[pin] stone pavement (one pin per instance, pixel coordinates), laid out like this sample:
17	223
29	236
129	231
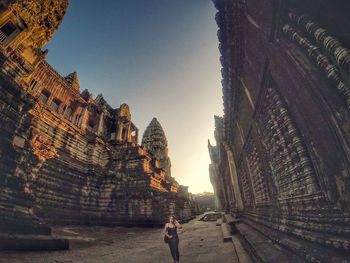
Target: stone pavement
200	242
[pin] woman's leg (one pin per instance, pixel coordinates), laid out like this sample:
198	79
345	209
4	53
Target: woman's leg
177	252
172	246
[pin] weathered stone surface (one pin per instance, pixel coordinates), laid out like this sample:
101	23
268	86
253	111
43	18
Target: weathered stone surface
281	162
16	205
200	242
67	158
155	141
32	243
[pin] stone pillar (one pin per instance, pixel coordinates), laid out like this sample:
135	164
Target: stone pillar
99	130
224	192
137	135
74	115
84	118
229	189
119	131
65	111
128	134
234	180
49	100
60	109
216	186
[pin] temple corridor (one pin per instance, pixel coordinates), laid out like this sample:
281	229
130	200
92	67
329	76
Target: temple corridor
77	178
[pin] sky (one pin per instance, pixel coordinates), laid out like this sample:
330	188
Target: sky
160	57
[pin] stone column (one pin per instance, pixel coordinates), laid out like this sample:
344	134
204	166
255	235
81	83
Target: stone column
229	190
119	131
84	118
49	100
64	112
137	135
224	190
99	130
128	135
234	180
74	115
216	186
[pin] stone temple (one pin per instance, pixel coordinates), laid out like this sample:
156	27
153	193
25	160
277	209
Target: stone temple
66	157
155	141
281	165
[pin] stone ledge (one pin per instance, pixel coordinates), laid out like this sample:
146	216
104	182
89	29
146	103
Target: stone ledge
226	233
231	236
311	251
241	253
263	249
32	243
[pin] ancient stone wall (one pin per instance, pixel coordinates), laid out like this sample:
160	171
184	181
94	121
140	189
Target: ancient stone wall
20	227
66	157
75	180
286	90
14	121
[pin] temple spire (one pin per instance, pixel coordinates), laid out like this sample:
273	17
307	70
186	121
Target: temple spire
155	141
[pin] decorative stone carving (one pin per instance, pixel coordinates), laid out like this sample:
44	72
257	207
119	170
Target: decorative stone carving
42	17
155	141
260	186
73	81
322	60
291	166
323	37
245	186
291	138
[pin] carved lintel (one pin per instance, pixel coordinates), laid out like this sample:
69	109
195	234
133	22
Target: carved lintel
291	166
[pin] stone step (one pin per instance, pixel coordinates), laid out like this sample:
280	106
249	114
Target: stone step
226	233
241	253
301	247
262	249
32	243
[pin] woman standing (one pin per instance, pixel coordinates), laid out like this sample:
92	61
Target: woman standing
170	231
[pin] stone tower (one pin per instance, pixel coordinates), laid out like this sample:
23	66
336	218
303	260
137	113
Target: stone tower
155	141
25	27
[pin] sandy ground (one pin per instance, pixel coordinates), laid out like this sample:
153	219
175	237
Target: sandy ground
200	242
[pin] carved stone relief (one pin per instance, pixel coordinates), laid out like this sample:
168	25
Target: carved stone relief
291	166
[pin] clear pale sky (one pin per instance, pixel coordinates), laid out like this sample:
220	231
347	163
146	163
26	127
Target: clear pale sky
161	58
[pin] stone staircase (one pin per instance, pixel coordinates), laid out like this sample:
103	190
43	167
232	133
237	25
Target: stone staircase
262	249
256	243
229	236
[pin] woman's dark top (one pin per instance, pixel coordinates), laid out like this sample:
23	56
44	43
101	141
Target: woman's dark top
172	231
